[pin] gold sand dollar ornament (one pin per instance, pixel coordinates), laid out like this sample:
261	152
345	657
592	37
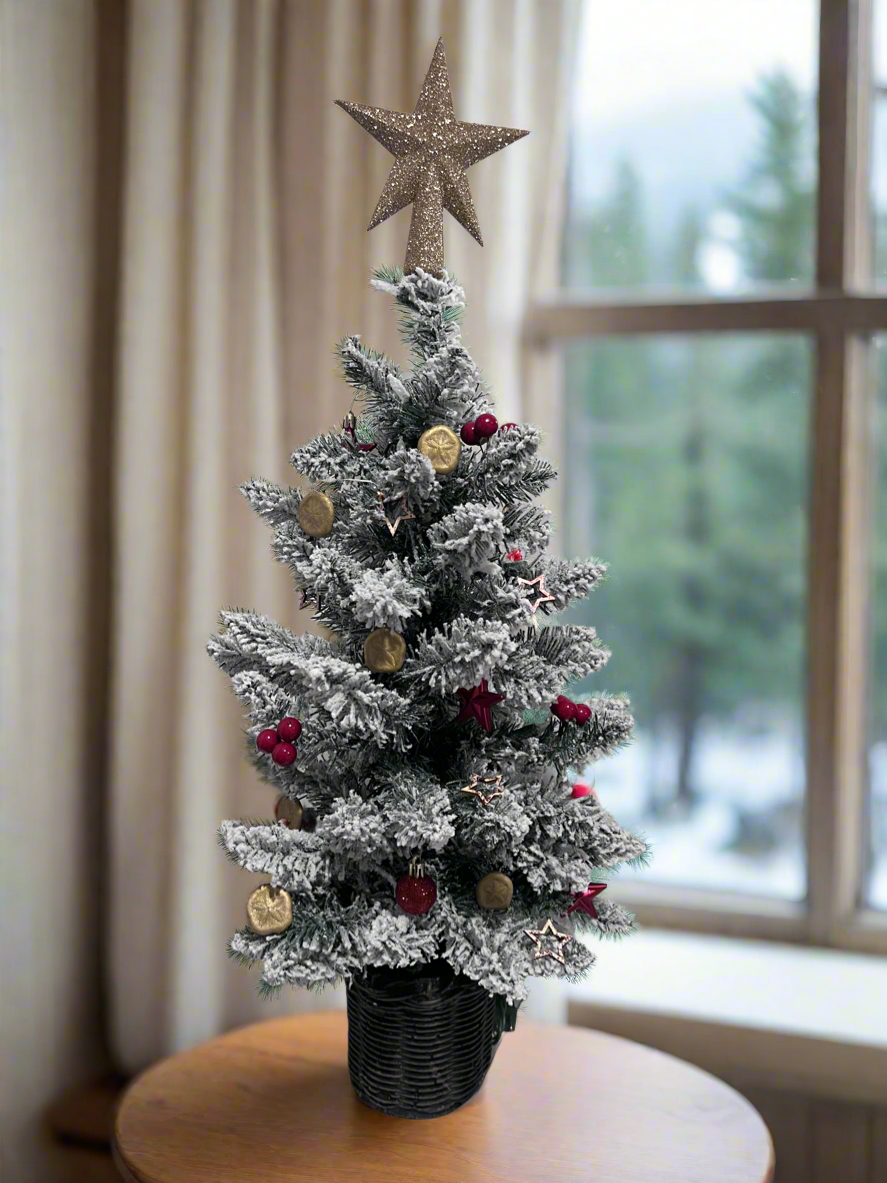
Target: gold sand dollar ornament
316	514
442	447
269	910
384	651
494	892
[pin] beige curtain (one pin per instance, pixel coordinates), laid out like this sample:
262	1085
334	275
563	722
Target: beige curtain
185	214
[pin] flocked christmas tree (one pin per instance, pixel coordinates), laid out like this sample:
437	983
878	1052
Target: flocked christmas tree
424	752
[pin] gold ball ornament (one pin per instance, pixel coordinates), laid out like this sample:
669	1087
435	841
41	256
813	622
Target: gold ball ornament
494	892
289	810
442	447
316	514
269	910
384	651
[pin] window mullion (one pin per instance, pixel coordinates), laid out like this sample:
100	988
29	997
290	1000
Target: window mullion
838	589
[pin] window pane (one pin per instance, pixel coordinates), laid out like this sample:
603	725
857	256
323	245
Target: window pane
879	142
877	880
693	145
686	470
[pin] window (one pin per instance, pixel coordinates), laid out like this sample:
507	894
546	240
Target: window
877	749
722	382
879	143
685	468
693	155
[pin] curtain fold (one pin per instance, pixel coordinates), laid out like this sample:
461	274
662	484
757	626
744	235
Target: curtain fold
243	257
53	562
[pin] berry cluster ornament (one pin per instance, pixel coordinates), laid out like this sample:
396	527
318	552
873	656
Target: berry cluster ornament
570	712
416	892
484	427
280	741
515	556
582	790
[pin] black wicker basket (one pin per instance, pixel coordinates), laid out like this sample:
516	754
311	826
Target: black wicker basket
420	1041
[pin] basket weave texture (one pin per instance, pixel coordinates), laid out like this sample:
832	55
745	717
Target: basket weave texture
419	1041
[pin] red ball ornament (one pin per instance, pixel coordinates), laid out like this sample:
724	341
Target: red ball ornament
284	754
564	710
416	892
583	713
515	556
289	729
267	740
485	426
469	434
580	790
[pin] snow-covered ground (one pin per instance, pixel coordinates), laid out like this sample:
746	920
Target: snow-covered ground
744	833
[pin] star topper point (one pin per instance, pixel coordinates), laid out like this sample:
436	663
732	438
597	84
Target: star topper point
431	150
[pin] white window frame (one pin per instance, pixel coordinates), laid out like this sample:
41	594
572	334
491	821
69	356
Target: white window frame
840	315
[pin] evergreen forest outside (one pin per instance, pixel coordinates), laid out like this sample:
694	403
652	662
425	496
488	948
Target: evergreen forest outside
686	469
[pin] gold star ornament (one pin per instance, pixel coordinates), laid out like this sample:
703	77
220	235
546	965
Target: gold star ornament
484	798
431	150
403	516
543	595
537	935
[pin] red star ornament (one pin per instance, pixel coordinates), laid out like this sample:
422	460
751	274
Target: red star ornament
583	901
476	704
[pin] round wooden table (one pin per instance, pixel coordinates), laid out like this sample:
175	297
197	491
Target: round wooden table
272	1103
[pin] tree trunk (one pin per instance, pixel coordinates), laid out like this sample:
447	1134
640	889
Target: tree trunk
688	710
691	661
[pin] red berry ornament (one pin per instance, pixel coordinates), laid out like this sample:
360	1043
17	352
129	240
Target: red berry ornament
485	426
267	740
416	892
564	710
289	729
580	790
507	426
515	556
284	753
583	713
469	434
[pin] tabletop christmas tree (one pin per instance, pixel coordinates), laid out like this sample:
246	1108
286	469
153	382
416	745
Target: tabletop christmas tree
428	841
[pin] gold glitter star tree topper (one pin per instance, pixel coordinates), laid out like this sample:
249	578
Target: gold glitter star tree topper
431	150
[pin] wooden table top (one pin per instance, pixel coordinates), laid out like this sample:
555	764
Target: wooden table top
272	1103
